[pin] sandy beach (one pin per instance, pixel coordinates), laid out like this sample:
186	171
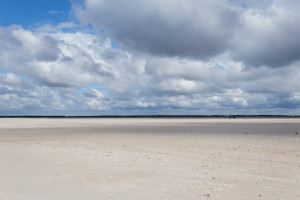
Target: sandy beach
146	158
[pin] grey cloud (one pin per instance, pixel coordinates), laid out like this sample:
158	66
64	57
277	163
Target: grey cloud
269	35
256	33
196	29
5	90
265	79
253	4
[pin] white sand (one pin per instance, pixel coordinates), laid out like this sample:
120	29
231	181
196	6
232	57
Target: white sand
144	159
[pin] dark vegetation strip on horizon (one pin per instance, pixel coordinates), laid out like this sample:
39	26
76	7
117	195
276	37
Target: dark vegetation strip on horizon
154	116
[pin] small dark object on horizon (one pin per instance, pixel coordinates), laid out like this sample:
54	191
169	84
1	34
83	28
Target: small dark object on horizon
231	117
296	133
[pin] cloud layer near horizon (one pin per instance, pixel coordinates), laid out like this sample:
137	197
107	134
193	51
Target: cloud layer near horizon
156	57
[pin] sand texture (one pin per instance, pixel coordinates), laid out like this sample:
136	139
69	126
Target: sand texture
143	159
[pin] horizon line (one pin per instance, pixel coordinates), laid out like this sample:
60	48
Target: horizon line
147	116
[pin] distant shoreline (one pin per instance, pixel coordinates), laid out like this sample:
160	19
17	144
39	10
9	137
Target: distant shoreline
156	116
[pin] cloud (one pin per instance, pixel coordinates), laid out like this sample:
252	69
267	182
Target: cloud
196	29
269	35
52	59
155	57
55	12
256	33
10	79
41	48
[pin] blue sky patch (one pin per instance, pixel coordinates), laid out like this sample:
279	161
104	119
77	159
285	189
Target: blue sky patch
3	72
92	86
220	67
31	12
114	44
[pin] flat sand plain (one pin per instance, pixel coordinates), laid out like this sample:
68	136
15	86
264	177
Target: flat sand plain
141	159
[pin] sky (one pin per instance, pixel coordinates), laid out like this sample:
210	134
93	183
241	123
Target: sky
149	57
